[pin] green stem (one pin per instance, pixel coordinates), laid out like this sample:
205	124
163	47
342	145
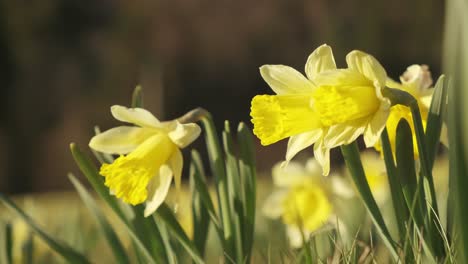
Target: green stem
353	162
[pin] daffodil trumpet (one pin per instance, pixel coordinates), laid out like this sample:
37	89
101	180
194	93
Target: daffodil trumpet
149	156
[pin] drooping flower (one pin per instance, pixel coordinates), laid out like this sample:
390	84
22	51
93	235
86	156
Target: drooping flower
300	200
329	108
149	159
417	81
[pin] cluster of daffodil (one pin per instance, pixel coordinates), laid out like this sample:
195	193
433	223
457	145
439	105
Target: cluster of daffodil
329	107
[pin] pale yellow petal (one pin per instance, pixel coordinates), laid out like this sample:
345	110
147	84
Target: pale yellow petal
319	61
345	133
176	163
137	116
120	140
322	155
392	83
341	77
375	127
285	80
161	183
368	66
300	142
272	207
295	236
184	134
290	174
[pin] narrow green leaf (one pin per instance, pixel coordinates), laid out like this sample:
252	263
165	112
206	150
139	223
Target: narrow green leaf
218	171
235	192
60	247
149	233
401	211
165	214
353	162
6	243
137	97
247	169
200	212
28	250
96	181
112	239
172	256
435	118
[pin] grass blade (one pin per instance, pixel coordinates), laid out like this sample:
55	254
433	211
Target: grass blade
113	240
6	243
61	248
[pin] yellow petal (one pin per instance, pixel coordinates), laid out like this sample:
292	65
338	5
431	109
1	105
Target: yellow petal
345	133
137	116
300	142
120	140
285	80
375	126
368	66
276	117
184	134
342	77
164	179
322	155
176	163
320	60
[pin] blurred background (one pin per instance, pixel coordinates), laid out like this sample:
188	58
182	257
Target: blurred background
64	63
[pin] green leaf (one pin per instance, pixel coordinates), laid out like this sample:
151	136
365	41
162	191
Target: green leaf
200	212
353	162
235	192
60	247
247	169
218	171
28	249
165	214
96	181
435	119
6	243
401	211
113	240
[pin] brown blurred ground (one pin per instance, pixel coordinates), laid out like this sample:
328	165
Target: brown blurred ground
64	63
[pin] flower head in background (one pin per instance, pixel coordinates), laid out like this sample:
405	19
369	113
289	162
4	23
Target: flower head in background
149	156
300	200
330	107
417	81
376	175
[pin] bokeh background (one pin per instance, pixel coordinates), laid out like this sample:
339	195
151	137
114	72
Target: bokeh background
64	63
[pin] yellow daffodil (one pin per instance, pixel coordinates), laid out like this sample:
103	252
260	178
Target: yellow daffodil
300	201
417	81
149	156
330	107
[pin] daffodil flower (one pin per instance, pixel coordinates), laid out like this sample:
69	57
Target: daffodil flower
417	81
149	159
330	107
300	200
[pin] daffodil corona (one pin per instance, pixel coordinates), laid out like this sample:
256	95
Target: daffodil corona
330	107
149	156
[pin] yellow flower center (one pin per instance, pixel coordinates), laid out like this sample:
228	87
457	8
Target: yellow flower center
306	205
276	117
339	104
128	176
